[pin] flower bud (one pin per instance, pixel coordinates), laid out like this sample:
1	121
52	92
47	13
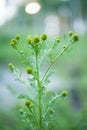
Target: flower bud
70	33
11	67
17	36
75	37
44	37
29	70
14	40
58	38
29	40
12	44
64	93
27	103
21	111
51	111
36	39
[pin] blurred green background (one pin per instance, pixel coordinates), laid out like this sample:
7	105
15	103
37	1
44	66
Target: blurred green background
54	17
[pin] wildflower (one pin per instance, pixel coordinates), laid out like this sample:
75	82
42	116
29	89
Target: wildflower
21	111
27	103
14	40
12	44
29	40
64	93
44	37
36	39
75	37
11	67
58	38
29	70
17	37
70	33
51	111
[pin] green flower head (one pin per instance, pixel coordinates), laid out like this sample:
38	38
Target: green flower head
17	36
70	33
36	39
58	38
75	37
29	70
13	42
29	40
44	36
11	67
21	111
51	111
64	93
27	103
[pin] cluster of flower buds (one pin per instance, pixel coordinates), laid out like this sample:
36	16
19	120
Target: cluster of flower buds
14	41
29	104
11	67
36	40
75	37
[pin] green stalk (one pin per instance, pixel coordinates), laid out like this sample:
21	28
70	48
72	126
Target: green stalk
34	117
49	104
52	63
23	56
39	92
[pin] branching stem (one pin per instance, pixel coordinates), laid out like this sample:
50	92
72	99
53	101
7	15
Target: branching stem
52	63
49	104
39	92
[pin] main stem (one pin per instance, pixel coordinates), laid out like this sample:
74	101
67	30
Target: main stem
39	92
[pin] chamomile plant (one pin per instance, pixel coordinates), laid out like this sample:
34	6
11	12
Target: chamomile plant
37	109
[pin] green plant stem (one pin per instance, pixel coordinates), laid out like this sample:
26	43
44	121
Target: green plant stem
39	93
49	104
23	56
34	117
55	59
